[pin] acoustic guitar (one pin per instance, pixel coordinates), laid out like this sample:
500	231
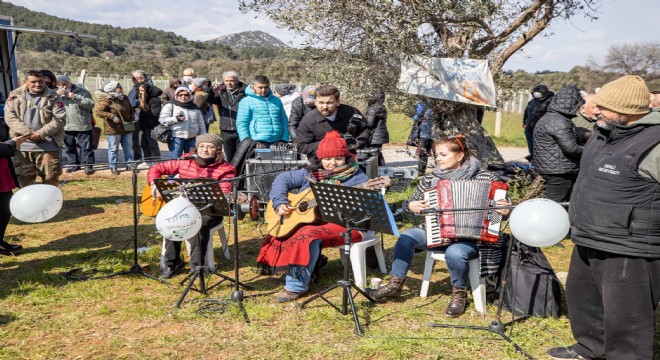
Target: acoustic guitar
150	206
305	211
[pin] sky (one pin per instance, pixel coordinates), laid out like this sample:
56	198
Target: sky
571	43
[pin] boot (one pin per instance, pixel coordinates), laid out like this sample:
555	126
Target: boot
457	303
392	289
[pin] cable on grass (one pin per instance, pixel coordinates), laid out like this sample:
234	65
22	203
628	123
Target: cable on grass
80	274
212	307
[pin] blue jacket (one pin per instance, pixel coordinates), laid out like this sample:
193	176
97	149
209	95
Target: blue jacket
424	118
261	118
290	180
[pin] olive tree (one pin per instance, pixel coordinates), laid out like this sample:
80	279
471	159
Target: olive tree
359	44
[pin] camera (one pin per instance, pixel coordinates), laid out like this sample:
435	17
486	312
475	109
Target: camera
357	121
181	116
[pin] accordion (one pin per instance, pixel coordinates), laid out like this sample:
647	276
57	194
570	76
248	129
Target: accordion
448	226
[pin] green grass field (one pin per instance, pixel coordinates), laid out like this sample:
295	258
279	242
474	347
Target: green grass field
511	132
45	316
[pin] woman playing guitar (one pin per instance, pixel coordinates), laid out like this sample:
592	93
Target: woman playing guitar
297	255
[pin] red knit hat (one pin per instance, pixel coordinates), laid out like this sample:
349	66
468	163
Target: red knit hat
332	145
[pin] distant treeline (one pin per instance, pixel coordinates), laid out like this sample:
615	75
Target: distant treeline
162	53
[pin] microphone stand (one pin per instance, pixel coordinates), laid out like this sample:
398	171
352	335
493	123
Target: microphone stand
135	268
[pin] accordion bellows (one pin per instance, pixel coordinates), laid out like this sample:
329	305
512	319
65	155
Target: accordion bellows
464	216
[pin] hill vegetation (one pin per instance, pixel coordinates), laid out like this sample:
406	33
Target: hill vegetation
163	53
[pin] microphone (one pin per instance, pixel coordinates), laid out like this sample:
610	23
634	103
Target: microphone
189	157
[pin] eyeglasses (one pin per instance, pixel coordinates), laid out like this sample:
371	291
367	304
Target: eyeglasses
184	94
207	147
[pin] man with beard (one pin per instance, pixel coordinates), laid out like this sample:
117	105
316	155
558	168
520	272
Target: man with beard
585	119
330	115
226	97
209	163
613	283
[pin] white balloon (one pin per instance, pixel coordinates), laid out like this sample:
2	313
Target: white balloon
178	220
36	203
539	222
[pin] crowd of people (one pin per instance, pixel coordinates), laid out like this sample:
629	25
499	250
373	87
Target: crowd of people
600	151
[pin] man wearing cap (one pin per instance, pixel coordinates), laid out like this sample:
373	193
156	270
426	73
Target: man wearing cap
32	109
287	94
613	283
209	163
226	97
78	104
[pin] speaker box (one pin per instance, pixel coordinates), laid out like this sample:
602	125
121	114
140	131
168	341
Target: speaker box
261	183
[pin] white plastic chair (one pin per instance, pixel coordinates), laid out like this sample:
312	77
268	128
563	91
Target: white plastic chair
358	257
477	283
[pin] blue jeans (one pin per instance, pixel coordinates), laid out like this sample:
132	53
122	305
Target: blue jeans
126	141
300	283
180	145
82	138
457	256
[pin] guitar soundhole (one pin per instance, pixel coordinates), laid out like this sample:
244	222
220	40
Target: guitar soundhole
304	206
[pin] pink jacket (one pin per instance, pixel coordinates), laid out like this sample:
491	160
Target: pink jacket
188	169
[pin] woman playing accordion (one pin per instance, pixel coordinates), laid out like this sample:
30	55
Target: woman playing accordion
453	162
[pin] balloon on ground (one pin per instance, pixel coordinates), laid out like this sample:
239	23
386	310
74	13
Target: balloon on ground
36	203
539	222
178	220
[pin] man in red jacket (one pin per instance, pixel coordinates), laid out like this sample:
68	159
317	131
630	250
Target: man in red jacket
209	163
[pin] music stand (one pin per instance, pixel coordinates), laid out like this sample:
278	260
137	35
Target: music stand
135	268
355	209
207	196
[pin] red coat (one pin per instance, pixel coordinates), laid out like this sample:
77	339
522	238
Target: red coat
188	169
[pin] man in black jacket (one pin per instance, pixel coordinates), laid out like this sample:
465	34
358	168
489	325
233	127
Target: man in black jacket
613	284
556	150
226	96
299	108
330	115
535	109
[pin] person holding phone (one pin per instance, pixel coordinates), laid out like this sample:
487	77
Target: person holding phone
78	104
185	119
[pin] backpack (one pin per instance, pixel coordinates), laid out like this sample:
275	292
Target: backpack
532	287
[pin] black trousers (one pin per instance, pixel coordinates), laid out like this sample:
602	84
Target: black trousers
558	187
611	304
137	149
5	214
82	138
425	148
172	249
230	143
149	146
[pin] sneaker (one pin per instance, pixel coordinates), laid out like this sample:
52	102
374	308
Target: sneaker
170	271
114	171
71	169
286	296
89	170
142	166
563	353
10	249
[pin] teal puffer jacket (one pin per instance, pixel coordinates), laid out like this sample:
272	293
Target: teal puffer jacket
261	118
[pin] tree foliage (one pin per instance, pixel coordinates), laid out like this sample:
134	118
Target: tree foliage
641	59
365	41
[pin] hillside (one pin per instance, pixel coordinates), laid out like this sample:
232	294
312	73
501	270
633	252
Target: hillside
249	39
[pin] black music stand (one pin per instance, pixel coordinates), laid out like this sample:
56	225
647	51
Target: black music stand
135	268
355	209
207	196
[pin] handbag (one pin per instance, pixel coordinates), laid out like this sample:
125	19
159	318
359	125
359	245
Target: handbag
128	126
162	133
